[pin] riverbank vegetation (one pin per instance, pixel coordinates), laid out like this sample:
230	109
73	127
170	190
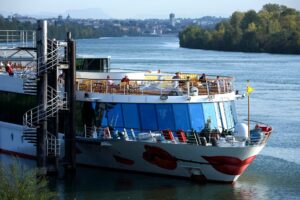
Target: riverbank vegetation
274	29
59	31
17	182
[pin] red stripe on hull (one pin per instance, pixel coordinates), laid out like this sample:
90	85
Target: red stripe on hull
123	160
229	165
159	157
18	154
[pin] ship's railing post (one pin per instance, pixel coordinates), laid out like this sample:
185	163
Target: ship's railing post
7	38
188	86
207	88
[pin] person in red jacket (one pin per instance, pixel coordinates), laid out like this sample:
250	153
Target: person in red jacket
125	80
9	69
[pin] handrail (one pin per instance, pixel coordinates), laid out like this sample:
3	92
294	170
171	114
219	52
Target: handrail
50	63
158	86
53	145
36	114
14	38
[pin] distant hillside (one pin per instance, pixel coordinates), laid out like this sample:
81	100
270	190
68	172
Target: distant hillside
95	28
274	29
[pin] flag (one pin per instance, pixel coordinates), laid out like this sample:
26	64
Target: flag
249	89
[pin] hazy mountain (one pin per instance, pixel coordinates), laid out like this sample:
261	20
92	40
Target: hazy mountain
94	13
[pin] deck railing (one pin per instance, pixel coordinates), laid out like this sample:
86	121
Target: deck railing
158	85
17	38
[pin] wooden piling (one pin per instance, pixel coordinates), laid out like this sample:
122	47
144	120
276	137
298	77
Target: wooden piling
70	81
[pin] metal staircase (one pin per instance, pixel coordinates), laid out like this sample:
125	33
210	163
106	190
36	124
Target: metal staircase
30	85
34	116
53	145
53	61
55	101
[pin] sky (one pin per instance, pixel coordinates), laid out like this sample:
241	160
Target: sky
133	9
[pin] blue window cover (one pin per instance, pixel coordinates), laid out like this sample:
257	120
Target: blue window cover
210	113
165	117
181	115
228	114
115	116
131	116
196	116
104	119
148	117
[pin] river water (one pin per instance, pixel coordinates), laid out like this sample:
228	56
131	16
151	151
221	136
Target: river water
274	174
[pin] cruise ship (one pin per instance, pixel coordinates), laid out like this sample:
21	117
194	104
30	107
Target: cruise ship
150	122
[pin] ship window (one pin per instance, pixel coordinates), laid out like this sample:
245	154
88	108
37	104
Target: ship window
104	119
115	117
130	115
181	115
196	116
233	111
219	118
165	116
223	116
148	117
210	113
228	114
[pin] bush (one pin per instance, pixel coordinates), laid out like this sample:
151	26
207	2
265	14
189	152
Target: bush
18	183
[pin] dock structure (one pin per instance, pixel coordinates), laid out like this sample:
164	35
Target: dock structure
70	82
42	65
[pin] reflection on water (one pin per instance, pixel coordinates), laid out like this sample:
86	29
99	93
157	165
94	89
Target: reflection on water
266	178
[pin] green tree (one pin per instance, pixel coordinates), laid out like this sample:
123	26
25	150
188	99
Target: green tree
273	29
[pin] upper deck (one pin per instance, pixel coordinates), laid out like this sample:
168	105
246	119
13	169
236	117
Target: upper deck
141	84
164	85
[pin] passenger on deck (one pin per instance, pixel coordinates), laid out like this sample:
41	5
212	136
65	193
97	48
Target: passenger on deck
9	69
177	76
109	82
125	79
176	82
125	84
202	78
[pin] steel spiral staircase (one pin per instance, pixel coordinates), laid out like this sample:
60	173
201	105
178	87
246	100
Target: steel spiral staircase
55	101
30	77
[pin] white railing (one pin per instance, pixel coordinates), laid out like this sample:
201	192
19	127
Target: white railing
51	57
32	117
163	86
53	145
17	38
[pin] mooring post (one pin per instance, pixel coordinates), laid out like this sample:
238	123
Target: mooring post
42	96
70	78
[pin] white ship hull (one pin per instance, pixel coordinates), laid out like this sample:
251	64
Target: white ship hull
209	163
